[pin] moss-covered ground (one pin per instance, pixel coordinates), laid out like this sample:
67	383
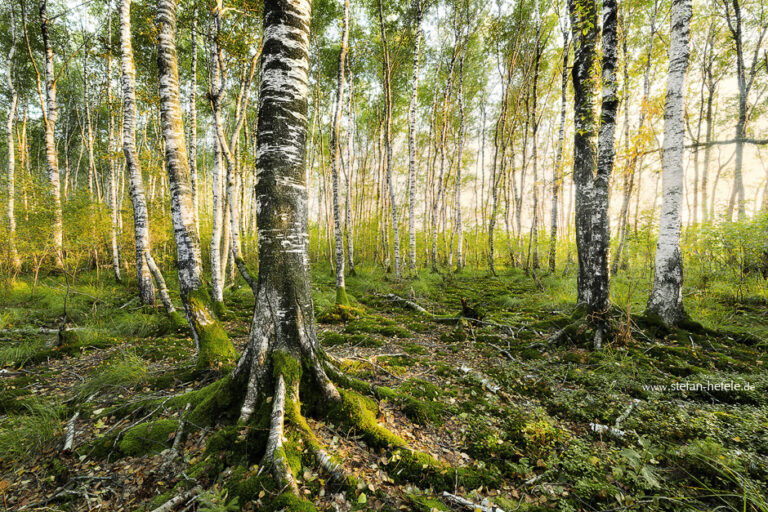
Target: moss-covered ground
495	412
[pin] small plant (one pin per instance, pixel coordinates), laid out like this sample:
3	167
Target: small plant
217	500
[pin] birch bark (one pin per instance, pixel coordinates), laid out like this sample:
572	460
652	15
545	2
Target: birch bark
14	255
341	293
666	298
138	200
412	138
212	342
50	115
283	331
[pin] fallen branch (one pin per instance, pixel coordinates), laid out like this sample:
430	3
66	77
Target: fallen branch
69	439
178	500
445	319
485	506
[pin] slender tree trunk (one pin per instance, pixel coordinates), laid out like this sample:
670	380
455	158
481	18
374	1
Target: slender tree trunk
533	242
50	114
212	342
459	228
635	160
666	298
557	178
231	220
348	221
13	252
387	69
338	107
412	139
443	135
138	200
111	150
193	124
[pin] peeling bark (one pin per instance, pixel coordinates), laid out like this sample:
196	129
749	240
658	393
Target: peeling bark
283	330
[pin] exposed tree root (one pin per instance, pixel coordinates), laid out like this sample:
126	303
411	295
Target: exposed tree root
179	500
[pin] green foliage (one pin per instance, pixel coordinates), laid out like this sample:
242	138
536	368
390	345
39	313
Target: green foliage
29	430
124	371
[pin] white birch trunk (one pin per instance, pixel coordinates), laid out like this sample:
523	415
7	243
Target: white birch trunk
14	255
50	114
666	298
341	294
412	140
212	342
388	136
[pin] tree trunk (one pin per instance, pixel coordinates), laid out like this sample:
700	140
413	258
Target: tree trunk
412	140
111	150
634	161
50	114
591	177
193	124
459	229
231	237
666	298
341	292
212	342
387	69
138	200
557	178
13	253
443	134
283	340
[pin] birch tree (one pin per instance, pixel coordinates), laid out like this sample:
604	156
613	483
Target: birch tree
387	71
227	150
419	9
745	78
50	115
212	343
283	339
338	107
13	252
666	300
557	177
591	171
145	265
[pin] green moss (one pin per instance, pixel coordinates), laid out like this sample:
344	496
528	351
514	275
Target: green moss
529	354
177	322
149	437
411	466
355	411
424	412
426	503
413	348
286	365
211	404
291	503
380	392
341	296
457	335
216	349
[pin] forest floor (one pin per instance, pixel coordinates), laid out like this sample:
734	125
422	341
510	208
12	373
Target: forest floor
553	426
